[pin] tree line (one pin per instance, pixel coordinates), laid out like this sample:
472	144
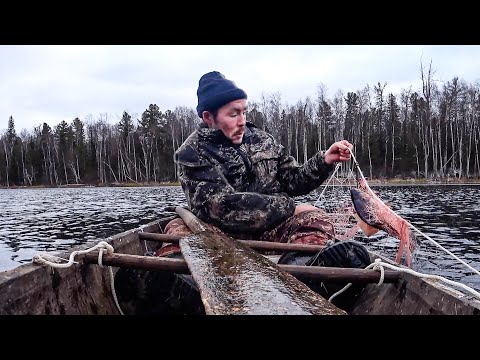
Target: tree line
432	133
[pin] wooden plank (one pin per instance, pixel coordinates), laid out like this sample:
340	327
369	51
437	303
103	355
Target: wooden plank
234	279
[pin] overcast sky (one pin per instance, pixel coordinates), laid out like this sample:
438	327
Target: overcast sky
53	83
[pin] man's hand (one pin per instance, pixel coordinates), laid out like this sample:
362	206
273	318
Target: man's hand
304	207
339	151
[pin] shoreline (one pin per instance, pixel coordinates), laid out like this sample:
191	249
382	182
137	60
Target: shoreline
373	182
73	186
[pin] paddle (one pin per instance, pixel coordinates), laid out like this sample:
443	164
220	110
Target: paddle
234	279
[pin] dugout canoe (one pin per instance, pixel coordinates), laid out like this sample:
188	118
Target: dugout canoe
85	288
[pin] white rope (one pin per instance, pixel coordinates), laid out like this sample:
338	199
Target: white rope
53	261
339	292
52	258
114	294
100	256
375	267
43	258
413	227
379	265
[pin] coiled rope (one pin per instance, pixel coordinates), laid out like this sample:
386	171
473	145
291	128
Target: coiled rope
102	246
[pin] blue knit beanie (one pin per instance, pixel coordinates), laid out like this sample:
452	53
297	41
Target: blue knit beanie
214	91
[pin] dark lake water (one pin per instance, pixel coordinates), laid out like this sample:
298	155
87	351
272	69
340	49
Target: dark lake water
34	220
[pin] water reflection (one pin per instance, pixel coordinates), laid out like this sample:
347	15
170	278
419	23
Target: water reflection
35	220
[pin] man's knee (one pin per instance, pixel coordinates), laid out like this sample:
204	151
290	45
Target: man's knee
177	227
173	227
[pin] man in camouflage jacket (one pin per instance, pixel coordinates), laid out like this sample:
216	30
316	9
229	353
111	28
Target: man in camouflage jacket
245	187
236	176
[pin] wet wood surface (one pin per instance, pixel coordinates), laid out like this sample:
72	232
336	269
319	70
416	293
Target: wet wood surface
234	279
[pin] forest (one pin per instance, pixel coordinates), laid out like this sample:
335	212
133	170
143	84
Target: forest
432	133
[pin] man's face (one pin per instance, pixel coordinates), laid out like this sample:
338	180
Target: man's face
231	120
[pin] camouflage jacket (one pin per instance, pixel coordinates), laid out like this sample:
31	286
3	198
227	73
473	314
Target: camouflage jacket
244	188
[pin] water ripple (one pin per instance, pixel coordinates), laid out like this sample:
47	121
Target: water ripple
34	220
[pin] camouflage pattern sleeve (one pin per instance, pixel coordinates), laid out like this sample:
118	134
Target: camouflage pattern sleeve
215	202
299	180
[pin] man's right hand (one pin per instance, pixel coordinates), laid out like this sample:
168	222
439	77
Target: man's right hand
304	207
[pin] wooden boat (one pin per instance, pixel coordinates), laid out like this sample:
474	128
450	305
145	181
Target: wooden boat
86	287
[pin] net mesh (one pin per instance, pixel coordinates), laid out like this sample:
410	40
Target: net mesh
348	200
336	201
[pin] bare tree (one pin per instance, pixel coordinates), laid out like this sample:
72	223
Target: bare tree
321	115
427	88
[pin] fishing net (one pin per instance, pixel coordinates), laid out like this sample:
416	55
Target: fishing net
335	200
357	212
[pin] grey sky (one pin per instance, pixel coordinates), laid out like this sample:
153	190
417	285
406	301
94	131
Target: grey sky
55	82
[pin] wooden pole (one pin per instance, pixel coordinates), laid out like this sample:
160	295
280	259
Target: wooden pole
154	263
179	266
254	244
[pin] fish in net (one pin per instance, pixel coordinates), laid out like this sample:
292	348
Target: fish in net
351	205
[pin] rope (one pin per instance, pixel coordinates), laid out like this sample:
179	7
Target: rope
53	261
114	294
375	267
43	258
339	292
379	266
378	263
